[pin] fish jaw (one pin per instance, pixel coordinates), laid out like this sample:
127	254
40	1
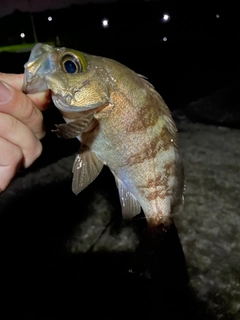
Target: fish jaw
65	107
40	63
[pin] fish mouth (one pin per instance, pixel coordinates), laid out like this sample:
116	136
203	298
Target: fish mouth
40	63
34	84
62	105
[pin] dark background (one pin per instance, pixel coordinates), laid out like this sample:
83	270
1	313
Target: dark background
197	72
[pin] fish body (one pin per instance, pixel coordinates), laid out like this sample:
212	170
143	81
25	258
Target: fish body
121	122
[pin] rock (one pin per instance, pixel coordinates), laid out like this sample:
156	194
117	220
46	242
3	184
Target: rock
220	108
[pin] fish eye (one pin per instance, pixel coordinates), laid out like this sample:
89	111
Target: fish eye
70	64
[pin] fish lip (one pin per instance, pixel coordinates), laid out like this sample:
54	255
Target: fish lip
34	84
61	104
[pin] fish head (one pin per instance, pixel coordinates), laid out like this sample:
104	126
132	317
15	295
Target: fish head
71	75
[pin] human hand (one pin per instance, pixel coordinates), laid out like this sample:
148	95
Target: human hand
21	126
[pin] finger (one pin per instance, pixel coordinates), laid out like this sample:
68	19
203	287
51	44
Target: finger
19	134
40	99
15	80
18	105
10	161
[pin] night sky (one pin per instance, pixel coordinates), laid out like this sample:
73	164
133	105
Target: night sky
8	6
131	23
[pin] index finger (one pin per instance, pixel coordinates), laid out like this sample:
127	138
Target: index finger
40	99
15	80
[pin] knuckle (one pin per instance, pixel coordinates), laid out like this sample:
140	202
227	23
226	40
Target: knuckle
16	156
33	118
38	150
30	113
12	124
32	153
11	154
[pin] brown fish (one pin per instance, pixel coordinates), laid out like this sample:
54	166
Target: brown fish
121	122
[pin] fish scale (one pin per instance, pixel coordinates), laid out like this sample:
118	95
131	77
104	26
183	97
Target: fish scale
121	122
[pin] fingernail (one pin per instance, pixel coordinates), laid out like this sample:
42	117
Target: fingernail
6	93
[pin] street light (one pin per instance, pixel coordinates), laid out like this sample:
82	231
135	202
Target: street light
105	23
166	17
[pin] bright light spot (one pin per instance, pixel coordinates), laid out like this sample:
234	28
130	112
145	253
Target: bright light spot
166	17
105	23
49	18
22	35
164	38
217	16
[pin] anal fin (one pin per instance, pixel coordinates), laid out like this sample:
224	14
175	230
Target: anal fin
130	206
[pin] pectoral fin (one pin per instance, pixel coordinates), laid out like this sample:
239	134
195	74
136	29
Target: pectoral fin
130	206
86	168
73	128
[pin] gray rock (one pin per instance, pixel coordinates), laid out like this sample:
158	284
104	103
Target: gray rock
220	108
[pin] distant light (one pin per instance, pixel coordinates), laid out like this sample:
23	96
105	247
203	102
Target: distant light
166	17
105	23
164	38
217	16
49	18
22	35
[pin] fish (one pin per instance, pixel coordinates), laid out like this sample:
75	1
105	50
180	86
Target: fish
121	122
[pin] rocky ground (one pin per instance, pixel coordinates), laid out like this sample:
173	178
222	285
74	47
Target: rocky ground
209	224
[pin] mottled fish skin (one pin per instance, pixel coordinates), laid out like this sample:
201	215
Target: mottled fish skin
122	122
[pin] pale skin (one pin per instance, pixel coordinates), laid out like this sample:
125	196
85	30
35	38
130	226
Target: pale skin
21	126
